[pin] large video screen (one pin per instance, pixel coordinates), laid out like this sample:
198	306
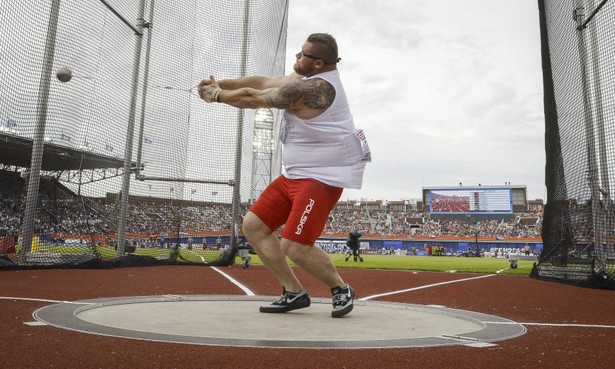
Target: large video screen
471	201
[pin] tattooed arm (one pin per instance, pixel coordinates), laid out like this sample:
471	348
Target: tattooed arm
306	98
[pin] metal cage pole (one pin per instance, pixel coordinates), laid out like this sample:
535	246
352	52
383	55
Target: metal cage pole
592	171
148	46
608	208
236	202
124	203
39	133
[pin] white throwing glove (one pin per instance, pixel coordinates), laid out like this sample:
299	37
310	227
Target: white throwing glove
210	93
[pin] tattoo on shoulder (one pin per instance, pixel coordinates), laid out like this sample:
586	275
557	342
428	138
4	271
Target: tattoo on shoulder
316	93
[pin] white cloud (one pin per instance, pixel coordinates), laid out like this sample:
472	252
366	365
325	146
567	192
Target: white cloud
446	91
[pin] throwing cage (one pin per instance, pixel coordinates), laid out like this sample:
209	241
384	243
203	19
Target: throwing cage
578	57
124	164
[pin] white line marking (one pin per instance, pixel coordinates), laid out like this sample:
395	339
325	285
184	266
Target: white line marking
35	324
422	287
176	297
202	259
558	325
235	282
480	344
46	300
468	341
459	338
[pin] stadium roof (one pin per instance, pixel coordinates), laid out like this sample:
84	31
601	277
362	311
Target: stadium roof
17	151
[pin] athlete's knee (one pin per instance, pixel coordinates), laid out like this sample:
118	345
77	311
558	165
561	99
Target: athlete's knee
253	226
294	250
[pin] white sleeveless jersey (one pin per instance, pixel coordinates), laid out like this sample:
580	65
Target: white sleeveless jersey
328	147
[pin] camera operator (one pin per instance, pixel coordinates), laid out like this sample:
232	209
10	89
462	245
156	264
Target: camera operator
353	244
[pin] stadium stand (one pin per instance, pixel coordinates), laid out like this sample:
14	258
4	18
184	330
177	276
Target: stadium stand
63	215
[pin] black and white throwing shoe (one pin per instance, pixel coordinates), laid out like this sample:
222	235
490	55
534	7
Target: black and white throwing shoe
288	301
343	298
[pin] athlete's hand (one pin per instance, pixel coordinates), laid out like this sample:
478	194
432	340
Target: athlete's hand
209	90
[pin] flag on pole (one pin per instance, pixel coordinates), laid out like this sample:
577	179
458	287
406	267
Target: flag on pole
171	189
193	191
214	193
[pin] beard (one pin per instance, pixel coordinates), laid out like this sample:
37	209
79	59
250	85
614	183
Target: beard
303	71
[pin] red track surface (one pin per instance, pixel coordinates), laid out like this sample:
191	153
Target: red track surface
520	299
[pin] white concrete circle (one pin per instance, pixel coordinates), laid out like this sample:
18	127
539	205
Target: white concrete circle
236	321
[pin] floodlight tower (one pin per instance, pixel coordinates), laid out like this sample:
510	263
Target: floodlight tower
262	152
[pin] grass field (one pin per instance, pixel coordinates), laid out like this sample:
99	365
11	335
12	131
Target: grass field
429	263
387	262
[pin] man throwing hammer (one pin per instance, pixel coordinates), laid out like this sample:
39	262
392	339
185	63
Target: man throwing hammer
323	153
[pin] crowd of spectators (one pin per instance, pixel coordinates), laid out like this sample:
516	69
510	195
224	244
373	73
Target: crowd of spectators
396	223
94	216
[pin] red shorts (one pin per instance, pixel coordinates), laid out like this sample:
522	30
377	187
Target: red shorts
301	205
